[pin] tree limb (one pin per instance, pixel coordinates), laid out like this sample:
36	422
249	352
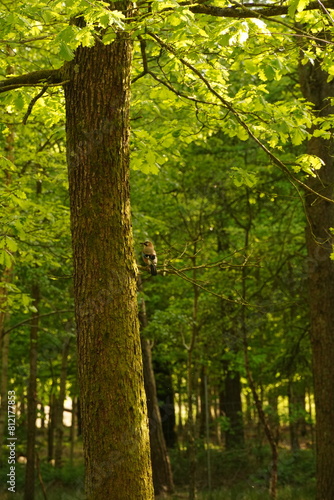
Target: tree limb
269	11
46	77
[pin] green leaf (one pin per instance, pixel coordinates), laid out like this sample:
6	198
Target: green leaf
11	244
65	52
293	7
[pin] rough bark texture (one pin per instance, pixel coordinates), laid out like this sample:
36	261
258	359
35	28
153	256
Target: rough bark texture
320	218
114	420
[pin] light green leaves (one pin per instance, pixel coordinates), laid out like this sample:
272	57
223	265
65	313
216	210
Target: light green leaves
308	164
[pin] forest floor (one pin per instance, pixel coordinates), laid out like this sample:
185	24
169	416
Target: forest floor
237	475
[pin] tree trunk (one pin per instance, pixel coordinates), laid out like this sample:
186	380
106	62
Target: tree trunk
51	424
113	403
162	472
29	487
5	278
72	431
165	395
4	350
59	405
320	218
232	408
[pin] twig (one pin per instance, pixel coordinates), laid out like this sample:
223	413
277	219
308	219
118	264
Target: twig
32	103
30	319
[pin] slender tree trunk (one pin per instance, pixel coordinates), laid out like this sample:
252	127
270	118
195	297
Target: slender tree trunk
162	472
51	425
319	242
191	424
165	395
272	439
293	421
232	408
72	431
59	405
4	349
29	487
113	403
6	278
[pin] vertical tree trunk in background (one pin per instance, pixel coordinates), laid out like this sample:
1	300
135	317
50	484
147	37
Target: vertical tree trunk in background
297	411
191	424
4	350
231	407
320	218
113	403
162	472
6	278
51	424
29	487
59	405
72	431
165	395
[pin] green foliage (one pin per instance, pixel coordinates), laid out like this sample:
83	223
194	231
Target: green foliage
222	217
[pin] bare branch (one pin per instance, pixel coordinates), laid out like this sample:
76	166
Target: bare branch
32	103
24	322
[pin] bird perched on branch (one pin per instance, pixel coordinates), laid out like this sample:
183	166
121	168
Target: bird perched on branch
150	257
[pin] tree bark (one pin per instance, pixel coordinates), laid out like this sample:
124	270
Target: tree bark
29	487
320	218
113	403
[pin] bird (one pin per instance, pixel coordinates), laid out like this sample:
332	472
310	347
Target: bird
150	257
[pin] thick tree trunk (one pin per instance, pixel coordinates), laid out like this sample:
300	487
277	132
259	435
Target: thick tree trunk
320	218
113	403
29	487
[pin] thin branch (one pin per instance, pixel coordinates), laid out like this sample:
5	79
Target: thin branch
27	40
24	322
180	274
237	116
32	103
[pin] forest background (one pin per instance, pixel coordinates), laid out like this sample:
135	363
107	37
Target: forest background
232	179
